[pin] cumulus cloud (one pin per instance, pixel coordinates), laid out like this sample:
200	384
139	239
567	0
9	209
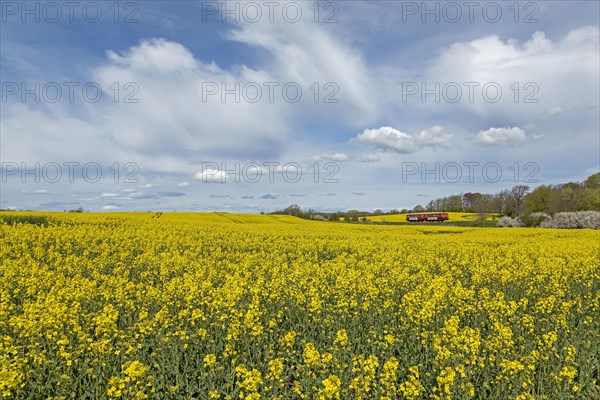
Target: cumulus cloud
388	138
110	207
211	176
548	66
170	114
434	137
181	102
289	169
183	184
501	136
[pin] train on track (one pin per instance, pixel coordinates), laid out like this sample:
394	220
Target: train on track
427	217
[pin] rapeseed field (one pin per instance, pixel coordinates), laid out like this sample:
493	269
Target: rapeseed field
225	306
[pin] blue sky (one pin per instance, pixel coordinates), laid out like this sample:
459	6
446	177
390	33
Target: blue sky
331	105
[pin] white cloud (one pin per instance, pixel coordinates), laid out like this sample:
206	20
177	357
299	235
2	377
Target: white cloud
388	138
501	136
530	74
211	176
369	158
155	55
170	115
306	53
110	194
434	137
186	106
255	172
36	191
110	207
288	168
184	184
331	157
34	135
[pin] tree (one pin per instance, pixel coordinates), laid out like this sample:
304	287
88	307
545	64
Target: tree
593	181
501	201
294	210
334	216
517	198
567	198
453	203
430	206
483	203
468	201
539	200
591	199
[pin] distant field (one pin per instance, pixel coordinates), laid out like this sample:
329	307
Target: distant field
219	217
452	217
204	218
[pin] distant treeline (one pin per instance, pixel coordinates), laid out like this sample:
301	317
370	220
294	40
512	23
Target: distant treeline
518	201
549	199
352	215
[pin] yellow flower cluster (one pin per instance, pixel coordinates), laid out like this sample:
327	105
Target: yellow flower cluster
131	383
224	306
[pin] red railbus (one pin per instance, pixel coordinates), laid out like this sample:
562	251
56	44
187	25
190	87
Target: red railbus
427	217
